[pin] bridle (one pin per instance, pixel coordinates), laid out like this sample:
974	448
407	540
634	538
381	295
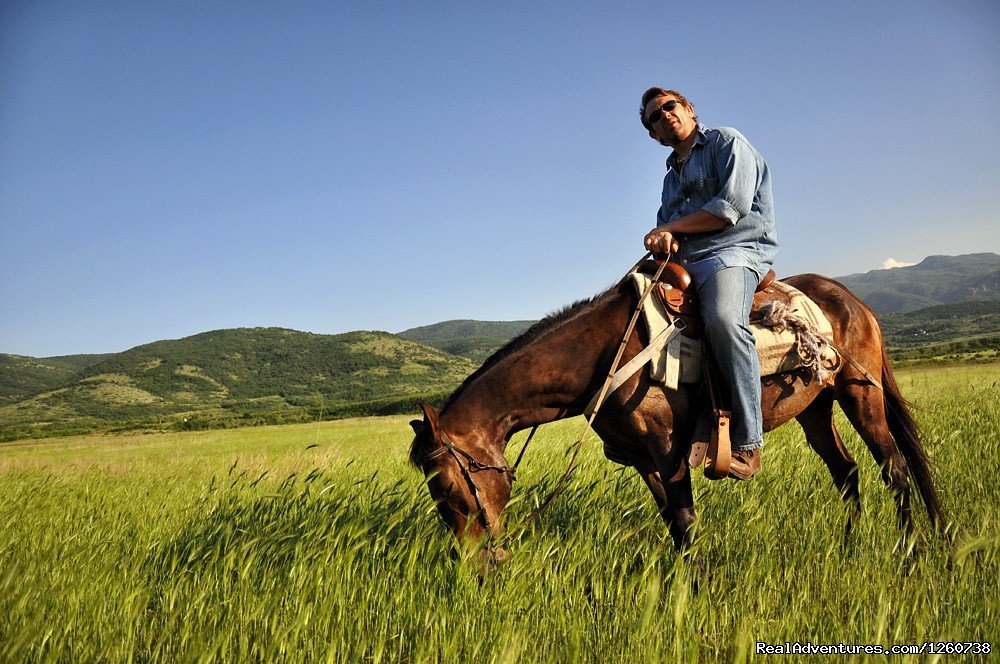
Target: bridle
476	466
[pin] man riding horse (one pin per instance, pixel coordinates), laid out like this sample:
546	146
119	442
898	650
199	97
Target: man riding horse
717	218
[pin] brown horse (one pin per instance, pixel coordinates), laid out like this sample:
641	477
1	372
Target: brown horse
553	369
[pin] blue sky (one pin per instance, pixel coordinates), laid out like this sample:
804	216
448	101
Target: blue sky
172	168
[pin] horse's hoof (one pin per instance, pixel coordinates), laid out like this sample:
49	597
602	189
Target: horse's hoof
491	559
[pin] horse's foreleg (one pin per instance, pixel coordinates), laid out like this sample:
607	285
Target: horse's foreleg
651	477
681	500
673	497
821	434
648	424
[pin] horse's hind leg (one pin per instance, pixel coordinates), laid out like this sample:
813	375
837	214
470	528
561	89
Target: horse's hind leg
865	408
822	436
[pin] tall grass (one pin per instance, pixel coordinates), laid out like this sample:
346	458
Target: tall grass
318	543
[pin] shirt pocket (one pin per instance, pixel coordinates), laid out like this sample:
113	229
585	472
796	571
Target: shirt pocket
699	191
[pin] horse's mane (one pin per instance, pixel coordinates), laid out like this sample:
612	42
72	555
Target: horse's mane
529	336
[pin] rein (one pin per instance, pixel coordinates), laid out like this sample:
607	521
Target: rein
604	388
476	466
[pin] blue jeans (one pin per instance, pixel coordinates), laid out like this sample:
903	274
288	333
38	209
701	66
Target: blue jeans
725	299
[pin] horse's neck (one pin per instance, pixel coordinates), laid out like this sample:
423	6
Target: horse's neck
549	379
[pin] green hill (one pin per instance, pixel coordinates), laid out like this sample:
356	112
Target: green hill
941	324
238	377
961	331
935	280
475	339
21	376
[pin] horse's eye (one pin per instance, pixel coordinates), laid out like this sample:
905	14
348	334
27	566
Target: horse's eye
445	490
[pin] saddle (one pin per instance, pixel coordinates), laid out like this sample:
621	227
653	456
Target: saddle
711	441
674	292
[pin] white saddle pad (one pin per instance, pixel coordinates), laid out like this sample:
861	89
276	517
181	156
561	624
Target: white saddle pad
681	359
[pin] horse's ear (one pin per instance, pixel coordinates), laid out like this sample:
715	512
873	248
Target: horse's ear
430	418
426	431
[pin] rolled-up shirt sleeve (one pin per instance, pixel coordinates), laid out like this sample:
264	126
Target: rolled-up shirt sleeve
739	177
661	216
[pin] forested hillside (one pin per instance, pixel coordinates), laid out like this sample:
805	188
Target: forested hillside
241	376
475	339
22	376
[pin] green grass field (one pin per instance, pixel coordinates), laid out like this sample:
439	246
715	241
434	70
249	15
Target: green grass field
317	542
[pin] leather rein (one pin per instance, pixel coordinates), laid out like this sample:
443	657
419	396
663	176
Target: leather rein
476	466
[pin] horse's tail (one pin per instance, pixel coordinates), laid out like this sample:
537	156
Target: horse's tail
906	433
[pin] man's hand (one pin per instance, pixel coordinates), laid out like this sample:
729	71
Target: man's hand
661	241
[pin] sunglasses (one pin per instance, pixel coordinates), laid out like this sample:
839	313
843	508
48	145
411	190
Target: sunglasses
657	115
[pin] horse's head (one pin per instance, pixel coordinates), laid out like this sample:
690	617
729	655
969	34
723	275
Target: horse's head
469	483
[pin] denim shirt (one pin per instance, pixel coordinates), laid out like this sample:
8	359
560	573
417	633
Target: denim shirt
726	176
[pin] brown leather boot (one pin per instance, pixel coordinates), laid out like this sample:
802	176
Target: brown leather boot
745	464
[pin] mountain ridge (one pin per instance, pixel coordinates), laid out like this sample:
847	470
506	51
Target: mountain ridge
22	375
474	339
933	281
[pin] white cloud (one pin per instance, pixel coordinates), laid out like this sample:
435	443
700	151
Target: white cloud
892	262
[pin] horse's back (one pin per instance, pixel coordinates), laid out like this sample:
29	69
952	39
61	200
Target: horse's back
855	327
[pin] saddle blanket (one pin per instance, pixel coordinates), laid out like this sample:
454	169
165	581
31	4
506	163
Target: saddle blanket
778	350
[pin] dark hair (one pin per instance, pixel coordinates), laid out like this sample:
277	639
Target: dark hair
652	93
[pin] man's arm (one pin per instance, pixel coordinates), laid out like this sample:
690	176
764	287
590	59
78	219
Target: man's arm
661	240
739	178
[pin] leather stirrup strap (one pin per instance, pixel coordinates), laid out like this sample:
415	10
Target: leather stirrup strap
699	443
718	456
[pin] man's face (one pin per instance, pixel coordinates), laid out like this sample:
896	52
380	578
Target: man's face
674	125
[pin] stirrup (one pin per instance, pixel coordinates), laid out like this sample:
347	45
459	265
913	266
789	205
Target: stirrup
719	457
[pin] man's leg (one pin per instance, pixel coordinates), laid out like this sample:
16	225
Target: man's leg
726	298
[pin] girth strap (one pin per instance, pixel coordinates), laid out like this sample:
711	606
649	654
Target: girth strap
857	365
